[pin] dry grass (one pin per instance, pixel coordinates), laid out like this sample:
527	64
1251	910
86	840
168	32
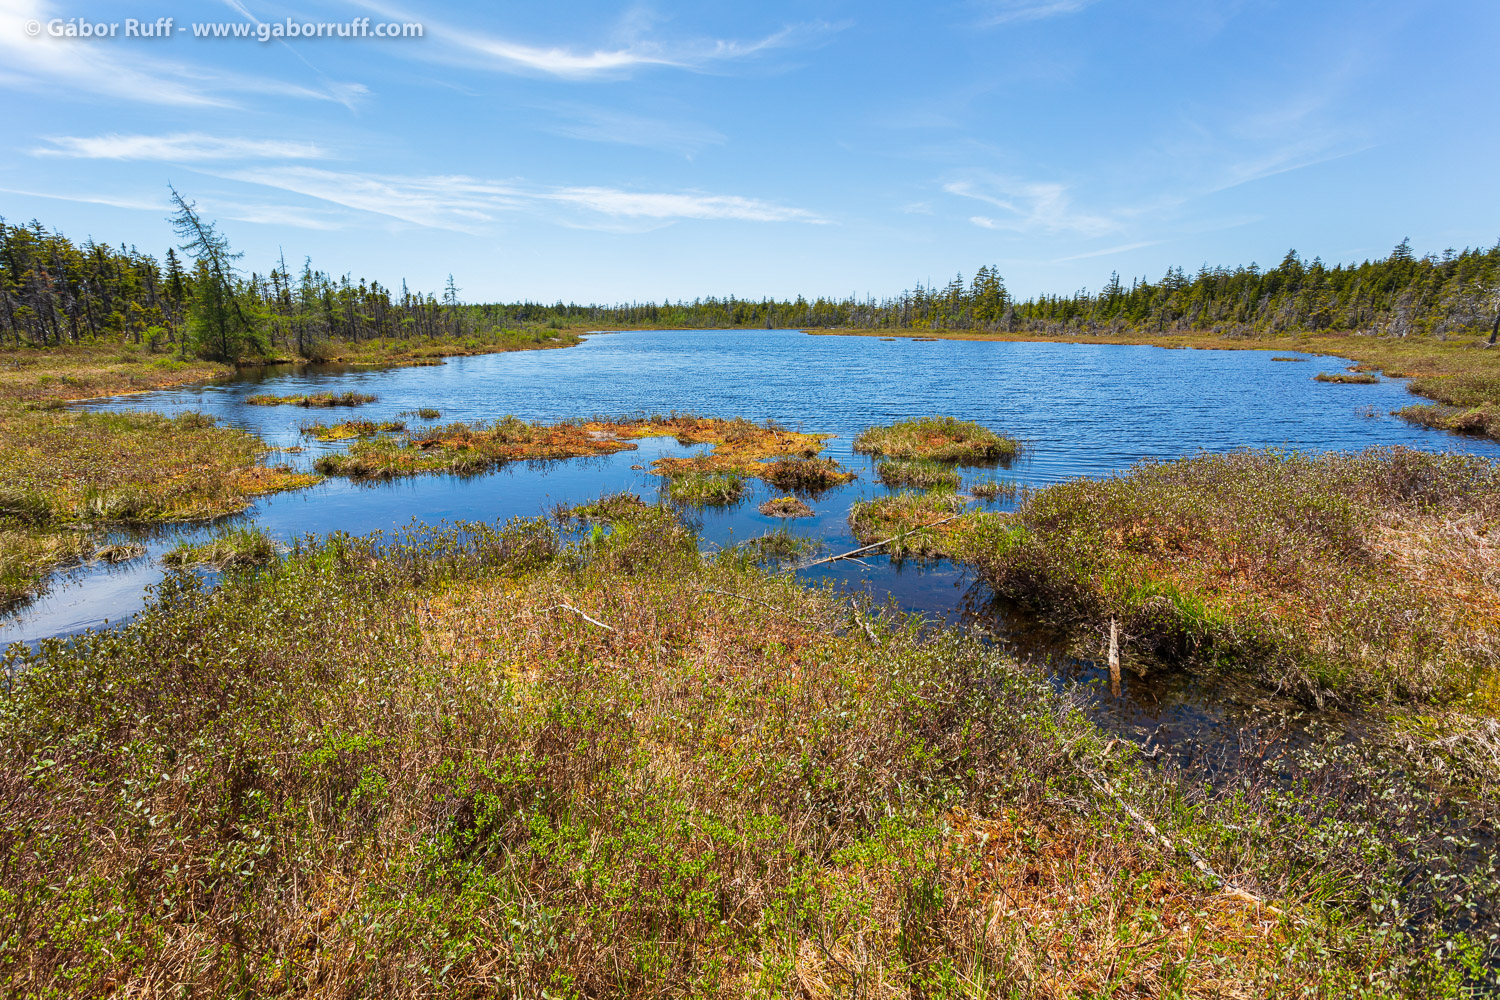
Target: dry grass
805	475
785	507
938	439
465	449
483	765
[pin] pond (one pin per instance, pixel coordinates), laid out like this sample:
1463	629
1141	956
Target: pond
1082	409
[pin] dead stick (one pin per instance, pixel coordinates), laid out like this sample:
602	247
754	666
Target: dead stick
580	614
876	545
1114	658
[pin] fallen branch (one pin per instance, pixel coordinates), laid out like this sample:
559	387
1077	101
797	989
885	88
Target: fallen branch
876	545
580	614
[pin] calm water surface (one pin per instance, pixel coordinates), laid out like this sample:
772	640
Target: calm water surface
1083	409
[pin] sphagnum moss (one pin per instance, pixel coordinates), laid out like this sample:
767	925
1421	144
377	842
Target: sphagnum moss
478	760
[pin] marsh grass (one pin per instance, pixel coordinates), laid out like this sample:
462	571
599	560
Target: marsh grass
317	400
1355	577
707	489
464	448
424	413
920	473
1346	378
938	439
607	509
346	429
40	376
909	519
739	446
65	467
777	549
785	507
28	556
1290	359
235	547
478	761
992	489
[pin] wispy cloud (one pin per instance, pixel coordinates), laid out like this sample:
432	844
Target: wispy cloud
644	205
179	147
1107	251
138	203
1029	206
490	51
601	125
996	12
468	204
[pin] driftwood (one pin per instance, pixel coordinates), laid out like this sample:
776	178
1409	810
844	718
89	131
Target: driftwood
876	545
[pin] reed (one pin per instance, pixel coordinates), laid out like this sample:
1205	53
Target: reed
920	473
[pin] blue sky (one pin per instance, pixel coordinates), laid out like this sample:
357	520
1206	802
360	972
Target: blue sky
614	151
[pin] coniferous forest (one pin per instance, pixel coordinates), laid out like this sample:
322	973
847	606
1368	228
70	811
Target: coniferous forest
196	299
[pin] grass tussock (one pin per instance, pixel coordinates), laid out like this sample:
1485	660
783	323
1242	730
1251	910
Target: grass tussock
804	475
316	400
786	507
1346	378
938	439
918	473
707	489
1365	576
992	489
236	547
1290	359
607	509
423	413
911	521
346	429
478	761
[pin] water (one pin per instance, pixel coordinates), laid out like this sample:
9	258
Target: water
1083	409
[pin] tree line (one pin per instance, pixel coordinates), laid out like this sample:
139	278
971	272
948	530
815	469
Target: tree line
197	300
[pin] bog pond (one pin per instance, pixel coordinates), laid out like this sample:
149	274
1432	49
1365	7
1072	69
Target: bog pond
1081	409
